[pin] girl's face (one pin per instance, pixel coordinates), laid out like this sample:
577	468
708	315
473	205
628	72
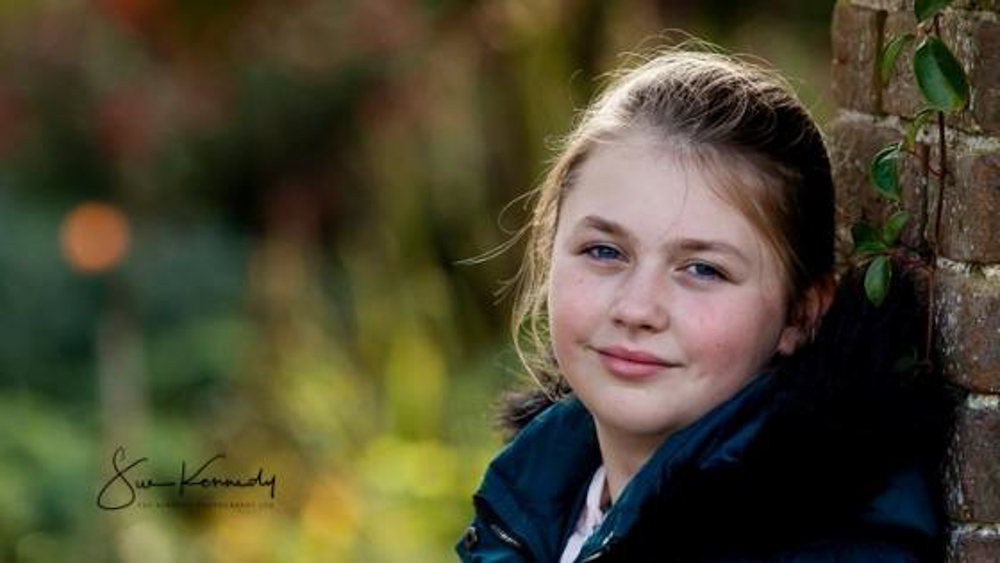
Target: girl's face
663	301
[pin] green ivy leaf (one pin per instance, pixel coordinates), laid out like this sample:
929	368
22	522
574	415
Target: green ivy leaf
940	76
863	232
877	280
873	248
891	52
913	129
867	240
884	171
927	9
894	226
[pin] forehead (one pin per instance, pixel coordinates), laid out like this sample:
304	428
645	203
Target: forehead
655	189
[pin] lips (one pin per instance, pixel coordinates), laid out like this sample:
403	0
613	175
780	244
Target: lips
631	364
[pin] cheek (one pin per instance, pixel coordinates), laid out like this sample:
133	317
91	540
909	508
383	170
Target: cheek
733	334
715	331
567	300
575	305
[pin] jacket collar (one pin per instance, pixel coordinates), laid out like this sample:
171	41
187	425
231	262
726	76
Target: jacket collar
533	487
536	486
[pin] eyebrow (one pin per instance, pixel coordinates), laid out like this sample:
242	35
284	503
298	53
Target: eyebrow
687	244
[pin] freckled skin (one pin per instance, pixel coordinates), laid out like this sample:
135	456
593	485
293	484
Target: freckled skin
715	313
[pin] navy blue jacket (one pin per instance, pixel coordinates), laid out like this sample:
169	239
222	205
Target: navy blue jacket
831	455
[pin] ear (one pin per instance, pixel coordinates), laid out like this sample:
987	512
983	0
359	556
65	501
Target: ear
804	316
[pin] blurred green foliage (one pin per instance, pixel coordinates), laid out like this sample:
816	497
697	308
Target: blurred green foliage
297	181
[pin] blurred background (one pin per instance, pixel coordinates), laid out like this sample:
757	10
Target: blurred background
233	227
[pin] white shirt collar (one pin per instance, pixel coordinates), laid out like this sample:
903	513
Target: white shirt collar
590	517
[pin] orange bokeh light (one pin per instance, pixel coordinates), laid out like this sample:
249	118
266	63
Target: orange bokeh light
94	237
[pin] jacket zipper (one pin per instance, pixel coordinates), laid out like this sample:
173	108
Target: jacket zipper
491	519
601	551
504	536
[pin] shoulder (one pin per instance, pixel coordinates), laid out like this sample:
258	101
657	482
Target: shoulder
855	446
843	464
857	403
729	517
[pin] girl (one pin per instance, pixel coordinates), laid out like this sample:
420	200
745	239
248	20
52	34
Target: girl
708	391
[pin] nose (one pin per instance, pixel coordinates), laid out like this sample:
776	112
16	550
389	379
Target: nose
641	301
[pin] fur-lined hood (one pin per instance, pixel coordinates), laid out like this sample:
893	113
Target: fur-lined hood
838	444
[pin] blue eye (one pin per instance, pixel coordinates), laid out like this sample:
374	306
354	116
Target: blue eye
704	271
603	252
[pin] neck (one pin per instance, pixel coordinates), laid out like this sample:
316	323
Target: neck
623	455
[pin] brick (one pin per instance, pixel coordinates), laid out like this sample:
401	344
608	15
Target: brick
907	5
853	141
976	44
913	179
890	5
970	221
985	77
900	95
968	329
981	5
973	476
855	41
974	546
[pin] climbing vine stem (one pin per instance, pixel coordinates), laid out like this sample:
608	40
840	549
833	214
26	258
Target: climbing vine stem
944	89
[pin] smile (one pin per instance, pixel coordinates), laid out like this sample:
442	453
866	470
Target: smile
628	364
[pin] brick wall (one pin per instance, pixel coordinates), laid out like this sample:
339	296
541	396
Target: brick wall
968	289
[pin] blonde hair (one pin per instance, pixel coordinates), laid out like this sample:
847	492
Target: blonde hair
740	122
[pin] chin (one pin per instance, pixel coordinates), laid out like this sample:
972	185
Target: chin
640	422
